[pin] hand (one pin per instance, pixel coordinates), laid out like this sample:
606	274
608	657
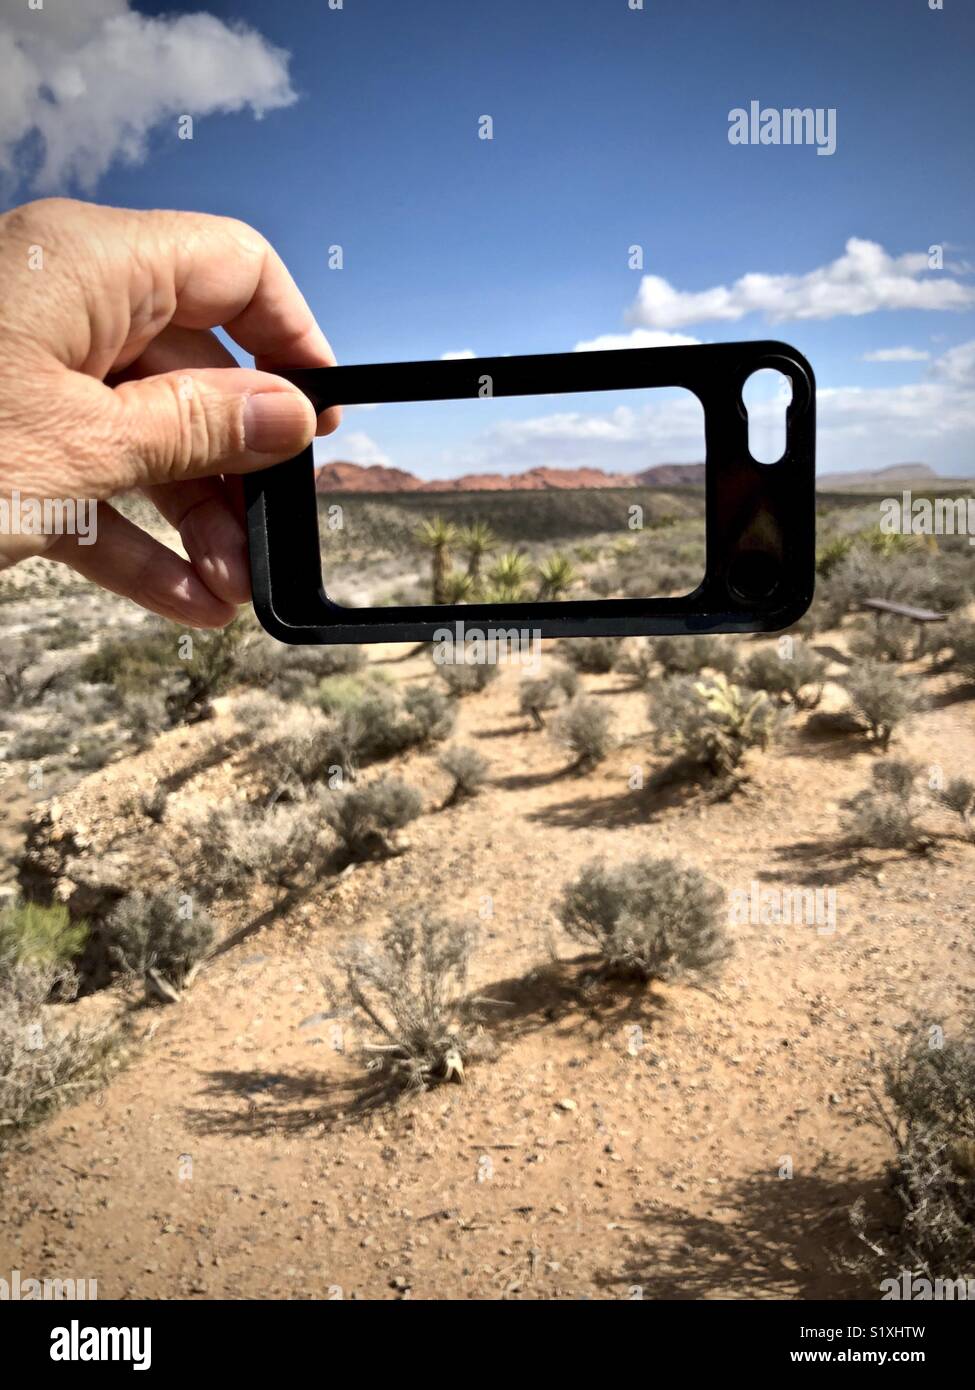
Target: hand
110	380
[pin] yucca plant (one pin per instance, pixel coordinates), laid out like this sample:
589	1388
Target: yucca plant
439	537
474	542
509	576
556	576
458	587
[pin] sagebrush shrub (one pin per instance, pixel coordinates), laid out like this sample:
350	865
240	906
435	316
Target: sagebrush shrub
467	769
40	1058
959	796
650	918
32	934
238	843
371	718
884	815
931	1090
410	989
165	932
595	654
539	693
585	727
190	669
711	723
639	662
366	818
291	671
467	679
959	636
883	639
688	655
798	677
880	699
303	744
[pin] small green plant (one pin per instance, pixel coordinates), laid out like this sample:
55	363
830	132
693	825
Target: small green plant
366	819
467	769
797	677
410	990
508	577
556	576
711	723
652	919
880	699
832	554
162	932
585	727
31	934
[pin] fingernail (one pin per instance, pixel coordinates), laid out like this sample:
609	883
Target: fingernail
278	422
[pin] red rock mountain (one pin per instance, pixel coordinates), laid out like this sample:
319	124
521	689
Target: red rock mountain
374	477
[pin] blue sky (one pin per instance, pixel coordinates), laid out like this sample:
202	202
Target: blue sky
610	129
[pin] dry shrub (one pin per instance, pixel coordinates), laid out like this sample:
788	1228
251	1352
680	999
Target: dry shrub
880	699
798	678
652	919
290	672
928	1111
884	815
410	987
467	769
585	727
367	818
238	843
42	1061
537	694
959	796
164	932
463	678
594	654
688	655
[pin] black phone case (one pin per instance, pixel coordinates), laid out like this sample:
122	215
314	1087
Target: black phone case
760	518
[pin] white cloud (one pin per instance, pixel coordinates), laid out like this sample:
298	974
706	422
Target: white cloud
464	355
932	420
352	447
861	281
85	84
636	338
666	429
898	354
956	366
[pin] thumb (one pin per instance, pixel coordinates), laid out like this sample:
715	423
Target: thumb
191	423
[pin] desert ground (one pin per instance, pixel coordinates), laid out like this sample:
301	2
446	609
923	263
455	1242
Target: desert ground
611	1139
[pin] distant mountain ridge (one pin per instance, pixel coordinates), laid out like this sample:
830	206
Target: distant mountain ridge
339	476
